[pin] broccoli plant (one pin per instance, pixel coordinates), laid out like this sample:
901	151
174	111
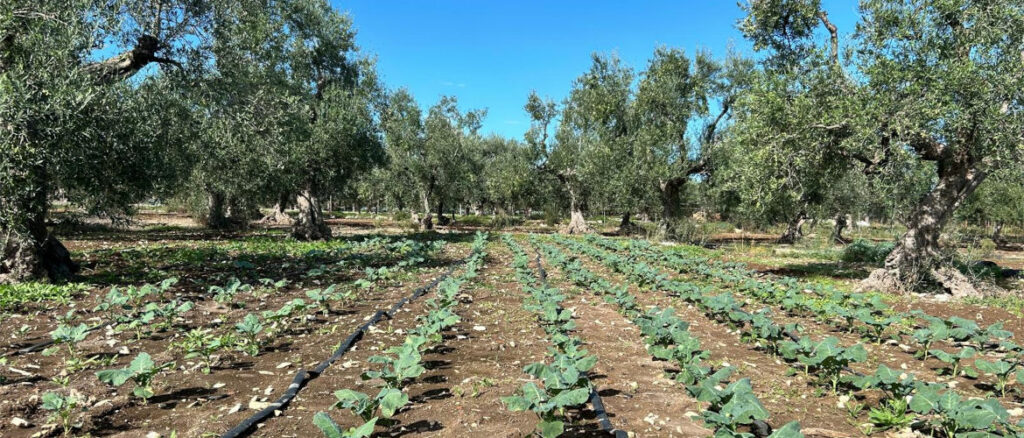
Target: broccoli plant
69	337
62	409
873	325
547	405
331	429
168	312
826	357
141	371
895	384
404	365
730	407
114	302
201	344
322	298
1003	371
938	329
565	385
226	294
956	417
250	328
952	361
387	402
766	333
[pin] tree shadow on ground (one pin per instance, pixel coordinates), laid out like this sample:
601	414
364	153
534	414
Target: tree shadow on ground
834	270
273	257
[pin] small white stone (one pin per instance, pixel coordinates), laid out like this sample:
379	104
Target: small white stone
218	385
284	365
153	435
235	408
257	405
20	422
479	328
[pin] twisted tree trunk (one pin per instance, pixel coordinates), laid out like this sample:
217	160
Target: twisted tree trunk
626	225
31	250
837	231
216	216
310	224
915	260
427	222
577	224
277	215
671	211
794	229
997	235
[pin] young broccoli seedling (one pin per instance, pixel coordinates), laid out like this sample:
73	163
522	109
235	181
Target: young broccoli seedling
141	371
250	329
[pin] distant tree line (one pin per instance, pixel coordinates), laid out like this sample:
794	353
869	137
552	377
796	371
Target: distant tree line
233	105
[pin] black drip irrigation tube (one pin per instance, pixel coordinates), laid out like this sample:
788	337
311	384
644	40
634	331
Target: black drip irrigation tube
303	377
595	398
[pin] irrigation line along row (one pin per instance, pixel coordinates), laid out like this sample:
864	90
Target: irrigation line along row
595	398
303	377
762	428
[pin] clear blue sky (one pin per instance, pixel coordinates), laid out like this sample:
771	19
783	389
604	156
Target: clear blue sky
492	53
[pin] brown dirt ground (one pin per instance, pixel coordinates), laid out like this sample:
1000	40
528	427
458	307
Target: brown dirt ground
187	401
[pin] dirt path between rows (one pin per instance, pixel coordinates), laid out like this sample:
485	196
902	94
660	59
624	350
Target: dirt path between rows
638	396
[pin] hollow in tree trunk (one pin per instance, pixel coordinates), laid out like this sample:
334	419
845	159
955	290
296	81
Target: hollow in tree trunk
915	261
837	231
794	229
310	224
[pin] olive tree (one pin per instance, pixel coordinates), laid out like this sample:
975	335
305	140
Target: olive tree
433	152
74	125
932	81
591	137
946	82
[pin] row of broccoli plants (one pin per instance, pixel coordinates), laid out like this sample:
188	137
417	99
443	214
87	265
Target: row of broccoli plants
564	384
867	314
937	409
825	359
401	365
731	408
145	310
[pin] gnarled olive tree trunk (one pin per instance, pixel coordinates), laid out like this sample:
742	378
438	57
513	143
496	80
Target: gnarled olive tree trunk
915	260
216	214
577	224
30	250
795	228
277	215
310	224
837	231
427	222
671	207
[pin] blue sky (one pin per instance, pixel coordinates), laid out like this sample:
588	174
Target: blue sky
491	54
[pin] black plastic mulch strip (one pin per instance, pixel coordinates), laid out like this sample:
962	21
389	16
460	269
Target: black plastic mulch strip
595	398
303	377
